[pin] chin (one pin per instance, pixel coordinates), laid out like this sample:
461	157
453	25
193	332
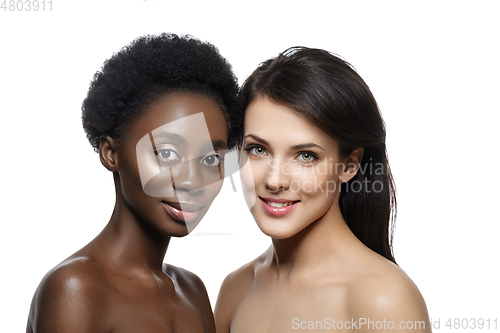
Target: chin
179	234
179	228
177	231
184	229
278	228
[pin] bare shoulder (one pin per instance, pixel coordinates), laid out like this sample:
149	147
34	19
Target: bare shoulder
68	298
186	280
237	283
233	289
387	294
194	288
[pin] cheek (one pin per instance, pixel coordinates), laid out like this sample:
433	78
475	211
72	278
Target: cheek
256	171
159	185
146	160
133	193
130	176
317	181
250	176
212	190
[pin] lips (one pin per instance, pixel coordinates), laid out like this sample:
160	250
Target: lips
278	206
182	212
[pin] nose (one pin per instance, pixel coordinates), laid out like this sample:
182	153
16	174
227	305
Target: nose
277	178
189	177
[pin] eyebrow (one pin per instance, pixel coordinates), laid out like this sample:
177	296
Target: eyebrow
216	144
169	136
300	146
256	138
307	145
219	144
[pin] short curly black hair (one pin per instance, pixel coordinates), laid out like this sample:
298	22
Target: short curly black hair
149	67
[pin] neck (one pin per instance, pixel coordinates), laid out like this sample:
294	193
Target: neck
127	243
324	240
136	242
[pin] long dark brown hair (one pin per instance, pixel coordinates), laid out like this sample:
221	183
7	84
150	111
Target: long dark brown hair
327	91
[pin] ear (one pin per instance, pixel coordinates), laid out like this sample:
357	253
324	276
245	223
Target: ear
351	165
107	152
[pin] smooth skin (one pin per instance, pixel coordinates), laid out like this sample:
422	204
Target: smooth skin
118	282
316	269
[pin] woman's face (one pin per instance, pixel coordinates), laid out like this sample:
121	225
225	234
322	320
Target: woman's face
170	163
292	175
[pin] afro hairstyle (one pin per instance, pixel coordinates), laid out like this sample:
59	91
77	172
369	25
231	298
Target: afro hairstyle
150	67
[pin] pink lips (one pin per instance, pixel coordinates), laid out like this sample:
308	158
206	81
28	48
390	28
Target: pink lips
277	211
182	212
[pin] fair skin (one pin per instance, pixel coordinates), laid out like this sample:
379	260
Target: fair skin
118	282
316	269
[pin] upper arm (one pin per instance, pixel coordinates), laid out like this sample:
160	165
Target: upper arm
222	313
204	301
192	284
388	304
231	292
67	300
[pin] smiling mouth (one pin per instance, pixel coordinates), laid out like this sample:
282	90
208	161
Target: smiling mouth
182	212
280	204
278	207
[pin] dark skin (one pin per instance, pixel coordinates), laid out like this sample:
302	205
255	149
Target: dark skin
118	282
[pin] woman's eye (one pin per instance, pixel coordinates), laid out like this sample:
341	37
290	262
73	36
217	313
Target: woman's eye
212	160
306	157
259	151
167	155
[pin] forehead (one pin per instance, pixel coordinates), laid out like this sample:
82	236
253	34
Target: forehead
280	124
173	107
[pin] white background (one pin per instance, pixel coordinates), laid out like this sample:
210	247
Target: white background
432	66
